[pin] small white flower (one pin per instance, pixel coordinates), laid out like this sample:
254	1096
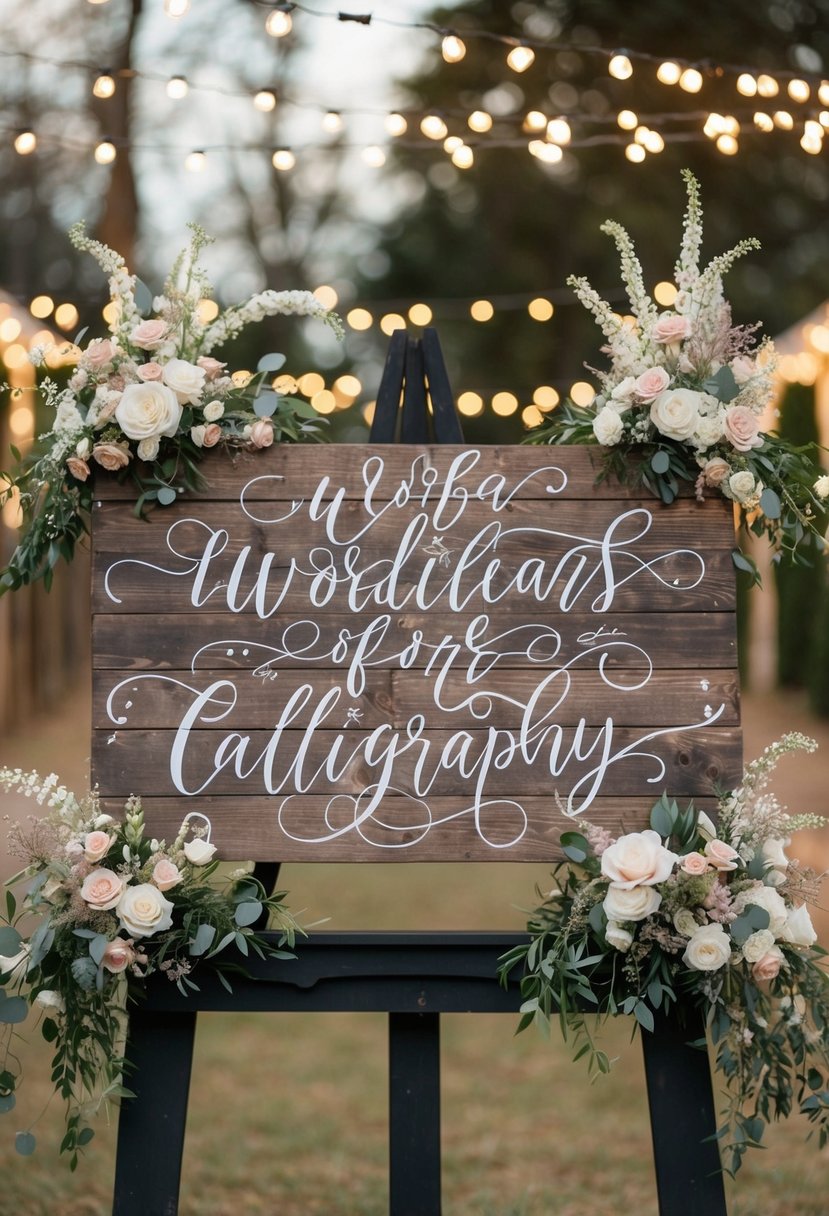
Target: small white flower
685	922
148	448
198	852
757	945
83	449
213	411
607	427
821	486
618	937
51	1000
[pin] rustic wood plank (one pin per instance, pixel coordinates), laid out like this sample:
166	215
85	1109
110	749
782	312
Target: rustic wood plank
299	467
690	761
253	832
670	640
160	699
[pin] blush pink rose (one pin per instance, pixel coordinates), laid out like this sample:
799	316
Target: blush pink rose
166	874
671	329
111	456
743	368
261	433
100	352
96	845
78	468
741	429
118	955
715	471
651	383
213	433
150	371
721	855
102	889
767	967
212	367
149	334
695	863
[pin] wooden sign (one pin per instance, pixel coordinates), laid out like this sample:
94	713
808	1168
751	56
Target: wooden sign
411	653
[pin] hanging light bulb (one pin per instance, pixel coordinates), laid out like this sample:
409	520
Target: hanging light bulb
105	152
453	48
25	143
813	144
103	86
332	123
374	156
767	86
283	159
653	142
396	124
746	85
620	66
451	143
728	145
558	131
635	153
551	154
534	120
177	88
520	58
783	120
799	90
433	127
196	162
463	157
176	8
691	80
823	92
265	101
278	23
764	122
668	72
627	120
479	121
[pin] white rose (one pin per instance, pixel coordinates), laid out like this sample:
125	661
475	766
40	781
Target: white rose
213	411
185	379
51	1000
148	410
630	903
148	448
15	966
821	486
637	859
607	427
675	412
618	937
197	435
198	852
757	945
83	449
622	394
708	950
774	853
685	922
742	485
709	431
143	910
798	928
771	900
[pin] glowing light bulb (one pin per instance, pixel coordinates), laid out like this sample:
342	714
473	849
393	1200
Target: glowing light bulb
783	120
41	307
798	90
558	131
713	125
265	101
470	404
103	86
582	393
668	72
823	93
504	404
535	121
691	80
635	153
551	154
359	318
546	397
177	88
746	85
278	24
654	142
665	293
767	86
283	160
373	156
433	127
520	58
392	321
396	124
66	316
728	145
627	120
105	152
479	121
813	129
332	123
176	8
453	48
763	121
531	416
640	135
420	314
540	309
481	310
25	143
327	296
811	144
196	162
620	67
452	143
463	157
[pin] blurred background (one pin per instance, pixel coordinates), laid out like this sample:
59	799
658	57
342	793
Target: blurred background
417	165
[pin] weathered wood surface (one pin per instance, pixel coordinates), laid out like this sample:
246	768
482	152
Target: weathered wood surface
381	653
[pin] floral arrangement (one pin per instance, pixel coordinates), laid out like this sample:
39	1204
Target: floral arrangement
151	392
702	917
686	390
104	908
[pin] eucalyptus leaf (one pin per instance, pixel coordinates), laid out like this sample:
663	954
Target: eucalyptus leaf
143	297
722	385
25	1144
166	496
248	913
14	1011
770	504
203	940
660	462
10	941
97	947
270	363
266	404
7	1103
661	819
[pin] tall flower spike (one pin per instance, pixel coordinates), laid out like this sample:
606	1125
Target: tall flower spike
687	267
640	302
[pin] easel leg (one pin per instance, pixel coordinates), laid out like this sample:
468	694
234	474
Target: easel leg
414	1114
151	1125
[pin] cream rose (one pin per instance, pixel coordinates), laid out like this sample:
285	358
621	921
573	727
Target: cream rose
149	334
150	371
675	413
198	852
767	967
185	379
118	955
618	937
798	928
694	863
261	433
166	874
709	431
197	434
651	384
757	945
79	469
143	910
771	900
671	329
102	889
630	903
742	485
708	949
622	394
721	855
213	411
639	858
111	456
148	410
607	427
741	429
96	845
715	471
148	448
685	922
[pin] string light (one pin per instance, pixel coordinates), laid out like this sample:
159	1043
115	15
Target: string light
558	131
653	142
452	143
728	145
265	101
470	404
811	143
691	80
540	309
627	120
746	85
103	86
396	124
41	307
620	67
545	397
582	393
535	121
480	121
504	404
823	93
359	318
207	310
635	153
332	122
783	120
278	23
327	296
105	152
177	88
392	321
176	8
25	143
799	90
463	157
373	156
668	72
420	314
433	127
283	160
324	402
531	416
66	316
763	121
767	86
453	48
481	310
520	58
551	154
196	162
